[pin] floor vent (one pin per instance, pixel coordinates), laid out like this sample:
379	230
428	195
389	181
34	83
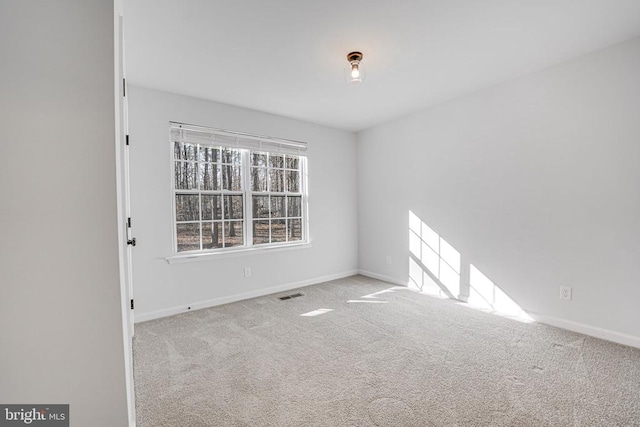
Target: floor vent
290	296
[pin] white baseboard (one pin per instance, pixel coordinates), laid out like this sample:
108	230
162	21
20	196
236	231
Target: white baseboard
593	331
143	317
382	277
606	334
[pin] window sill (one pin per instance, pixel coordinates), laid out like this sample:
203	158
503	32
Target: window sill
208	256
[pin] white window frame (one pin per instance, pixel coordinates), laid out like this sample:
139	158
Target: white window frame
247	144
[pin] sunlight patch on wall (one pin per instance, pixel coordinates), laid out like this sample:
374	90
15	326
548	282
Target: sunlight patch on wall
421	281
483	293
434	253
435	267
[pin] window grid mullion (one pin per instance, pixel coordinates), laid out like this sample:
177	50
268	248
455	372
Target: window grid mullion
269	199
197	177
223	205
200	218
247	204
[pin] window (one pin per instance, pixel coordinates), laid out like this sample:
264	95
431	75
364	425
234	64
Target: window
276	196
236	191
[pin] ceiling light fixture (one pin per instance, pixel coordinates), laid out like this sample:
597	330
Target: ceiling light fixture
355	73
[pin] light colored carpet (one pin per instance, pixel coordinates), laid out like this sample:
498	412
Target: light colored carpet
399	359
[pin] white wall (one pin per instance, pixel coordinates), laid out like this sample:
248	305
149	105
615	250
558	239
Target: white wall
535	181
60	317
161	288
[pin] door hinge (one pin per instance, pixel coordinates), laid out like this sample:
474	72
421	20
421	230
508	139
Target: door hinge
129	222
124	87
126	140
131	304
131	242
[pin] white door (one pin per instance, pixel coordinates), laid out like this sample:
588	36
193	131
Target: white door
126	239
126	194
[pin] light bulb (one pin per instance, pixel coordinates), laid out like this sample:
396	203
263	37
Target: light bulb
355	72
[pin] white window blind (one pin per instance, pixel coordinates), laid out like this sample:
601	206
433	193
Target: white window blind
193	134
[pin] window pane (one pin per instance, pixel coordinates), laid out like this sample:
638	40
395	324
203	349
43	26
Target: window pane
211	235
233	207
230	155
276	160
233	233
209	154
211	207
277	207
293	181
294	208
188	237
187	207
294	229
259	159
261	206
258	179
208	177
231	178
260	232
184	151
276	181
278	231
185	175
293	162
177	154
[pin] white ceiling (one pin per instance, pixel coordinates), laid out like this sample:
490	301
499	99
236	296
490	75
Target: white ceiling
287	56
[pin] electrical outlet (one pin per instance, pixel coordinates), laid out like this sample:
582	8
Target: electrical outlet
565	292
388	259
247	272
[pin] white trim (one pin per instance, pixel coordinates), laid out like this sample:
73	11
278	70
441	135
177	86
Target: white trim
255	250
382	277
143	317
593	331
